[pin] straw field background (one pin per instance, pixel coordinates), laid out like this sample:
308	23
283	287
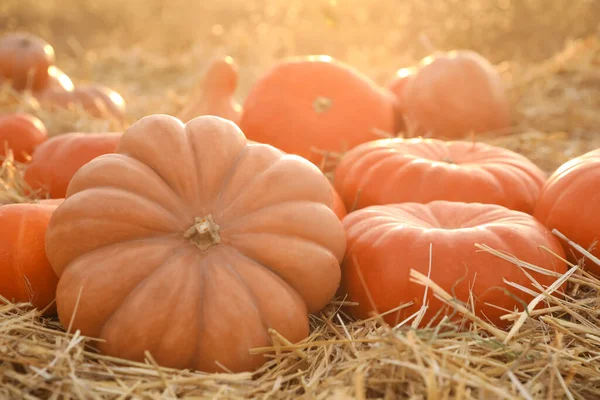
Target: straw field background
154	51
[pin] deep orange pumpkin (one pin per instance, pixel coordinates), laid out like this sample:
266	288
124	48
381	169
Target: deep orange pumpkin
21	133
422	170
454	95
570	202
191	243
57	80
54	163
338	205
307	105
25	274
386	242
24	60
215	94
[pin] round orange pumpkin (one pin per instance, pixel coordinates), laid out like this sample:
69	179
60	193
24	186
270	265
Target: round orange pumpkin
54	163
191	243
454	95
21	133
570	202
24	60
215	94
397	87
25	274
386	242
308	105
422	170
97	100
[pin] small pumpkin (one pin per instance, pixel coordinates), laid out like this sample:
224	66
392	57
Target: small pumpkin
215	94
21	133
54	163
386	242
96	99
219	227
58	80
24	60
419	170
570	202
307	105
454	95
25	273
397	87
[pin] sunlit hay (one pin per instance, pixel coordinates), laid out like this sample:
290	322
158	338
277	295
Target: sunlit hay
13	188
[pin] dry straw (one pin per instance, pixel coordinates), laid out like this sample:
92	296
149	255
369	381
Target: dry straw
551	352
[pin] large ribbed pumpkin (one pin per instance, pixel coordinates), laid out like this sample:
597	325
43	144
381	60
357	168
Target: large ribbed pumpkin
570	202
308	105
454	95
438	240
191	244
422	170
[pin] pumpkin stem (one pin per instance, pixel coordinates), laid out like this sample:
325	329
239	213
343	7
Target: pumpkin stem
448	160
322	104
204	233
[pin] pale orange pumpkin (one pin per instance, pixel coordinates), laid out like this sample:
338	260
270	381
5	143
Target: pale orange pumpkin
454	95
191	243
96	99
215	94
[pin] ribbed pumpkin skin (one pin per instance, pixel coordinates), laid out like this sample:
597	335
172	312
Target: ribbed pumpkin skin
312	104
24	60
25	273
454	95
190	243
397	87
22	133
570	203
422	170
215	94
54	163
386	242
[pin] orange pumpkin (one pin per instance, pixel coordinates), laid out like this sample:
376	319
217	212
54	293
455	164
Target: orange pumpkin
25	274
422	170
97	100
454	95
386	242
24	60
397	87
54	163
570	202
21	133
57	80
215	94
219	227
307	105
